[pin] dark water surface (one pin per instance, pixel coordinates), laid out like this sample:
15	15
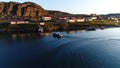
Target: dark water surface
77	49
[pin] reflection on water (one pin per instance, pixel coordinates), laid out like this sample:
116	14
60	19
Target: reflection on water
15	36
72	32
76	49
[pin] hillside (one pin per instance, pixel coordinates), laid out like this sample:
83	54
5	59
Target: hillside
114	15
58	13
33	11
27	9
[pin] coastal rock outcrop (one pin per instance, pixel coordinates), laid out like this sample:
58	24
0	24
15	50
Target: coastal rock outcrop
27	9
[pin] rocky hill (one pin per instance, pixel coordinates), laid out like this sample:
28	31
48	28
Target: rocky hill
27	9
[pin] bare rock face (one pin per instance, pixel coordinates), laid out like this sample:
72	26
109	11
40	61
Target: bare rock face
27	9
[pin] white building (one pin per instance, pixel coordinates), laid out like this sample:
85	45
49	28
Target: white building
42	23
88	19
26	22
18	22
46	18
94	18
72	20
114	19
80	19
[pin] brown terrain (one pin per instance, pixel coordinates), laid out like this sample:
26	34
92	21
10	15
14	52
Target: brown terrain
27	9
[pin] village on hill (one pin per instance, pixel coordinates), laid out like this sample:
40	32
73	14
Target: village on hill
29	16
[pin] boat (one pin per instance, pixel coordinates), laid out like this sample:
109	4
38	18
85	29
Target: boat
57	35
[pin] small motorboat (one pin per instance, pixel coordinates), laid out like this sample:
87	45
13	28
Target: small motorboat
57	35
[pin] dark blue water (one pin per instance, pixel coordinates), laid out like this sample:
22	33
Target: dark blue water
77	49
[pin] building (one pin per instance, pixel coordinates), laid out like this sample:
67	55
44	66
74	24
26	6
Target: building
18	22
46	18
88	19
94	17
114	19
72	20
63	18
42	23
80	19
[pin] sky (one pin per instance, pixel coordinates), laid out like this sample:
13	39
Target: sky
78	6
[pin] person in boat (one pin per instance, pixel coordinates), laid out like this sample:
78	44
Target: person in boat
58	36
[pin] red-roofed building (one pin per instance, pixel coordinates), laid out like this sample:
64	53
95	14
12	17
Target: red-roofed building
71	19
46	17
88	19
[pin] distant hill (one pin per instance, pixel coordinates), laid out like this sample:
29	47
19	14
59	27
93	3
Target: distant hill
114	15
57	14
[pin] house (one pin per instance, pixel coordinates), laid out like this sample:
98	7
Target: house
42	23
18	22
94	17
26	22
88	19
80	19
114	19
46	17
63	18
71	19
12	22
